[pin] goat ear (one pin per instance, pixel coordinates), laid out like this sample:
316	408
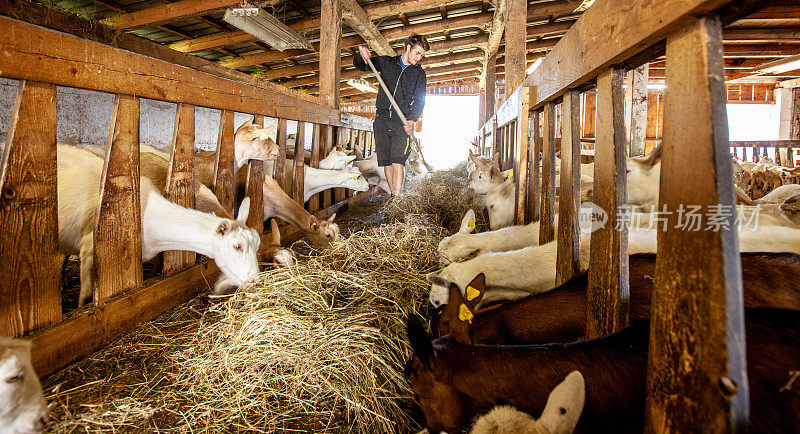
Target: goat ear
437	279
276	233
472	157
654	157
468	222
564	405
330	219
244	210
248	123
223	227
459	316
419	338
474	292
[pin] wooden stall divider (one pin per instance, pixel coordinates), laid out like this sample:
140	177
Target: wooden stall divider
279	167
534	158
546	232
298	180
569	197
608	290
327	140
30	290
254	189
118	224
180	179
341	132
313	204
224	163
697	350
521	156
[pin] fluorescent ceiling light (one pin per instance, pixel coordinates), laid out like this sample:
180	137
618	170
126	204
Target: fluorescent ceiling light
780	66
534	65
362	85
257	22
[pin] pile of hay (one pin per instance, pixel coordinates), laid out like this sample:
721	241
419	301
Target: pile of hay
318	348
444	196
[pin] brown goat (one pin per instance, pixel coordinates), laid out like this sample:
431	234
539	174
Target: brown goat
455	381
559	315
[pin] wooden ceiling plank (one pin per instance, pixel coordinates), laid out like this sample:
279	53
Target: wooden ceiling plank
360	22
165	13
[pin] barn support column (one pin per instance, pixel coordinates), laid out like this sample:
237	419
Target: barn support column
482	107
516	51
330	59
697	378
636	109
491	81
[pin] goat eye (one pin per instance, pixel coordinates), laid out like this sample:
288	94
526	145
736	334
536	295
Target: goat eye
238	247
15	379
328	235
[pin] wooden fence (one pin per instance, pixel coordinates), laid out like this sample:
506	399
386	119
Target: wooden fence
30	291
697	293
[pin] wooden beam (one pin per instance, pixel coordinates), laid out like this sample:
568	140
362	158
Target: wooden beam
495	36
489	82
180	179
636	109
165	13
547	201
30	290
697	323
763	34
569	196
118	224
608	290
515	37
224	163
330	63
532	208
279	167
298	180
360	22
521	156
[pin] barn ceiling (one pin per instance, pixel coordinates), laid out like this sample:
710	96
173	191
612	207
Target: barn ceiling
459	32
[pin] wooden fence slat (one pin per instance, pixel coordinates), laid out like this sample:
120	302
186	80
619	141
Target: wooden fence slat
547	202
313	204
534	157
327	140
279	167
118	224
180	179
224	163
341	133
521	157
569	197
608	290
298	181
30	289
636	109
254	188
697	325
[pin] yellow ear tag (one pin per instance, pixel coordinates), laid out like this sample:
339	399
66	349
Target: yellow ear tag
220	229
313	226
355	177
471	223
472	293
464	314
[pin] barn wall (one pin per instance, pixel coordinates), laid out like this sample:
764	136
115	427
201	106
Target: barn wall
84	117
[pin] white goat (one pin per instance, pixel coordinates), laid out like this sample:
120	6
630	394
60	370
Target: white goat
560	415
317	180
165	225
780	194
22	404
336	160
515	274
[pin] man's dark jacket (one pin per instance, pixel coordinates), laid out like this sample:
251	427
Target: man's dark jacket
407	85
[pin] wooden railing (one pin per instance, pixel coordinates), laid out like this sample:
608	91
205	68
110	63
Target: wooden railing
595	54
30	290
783	151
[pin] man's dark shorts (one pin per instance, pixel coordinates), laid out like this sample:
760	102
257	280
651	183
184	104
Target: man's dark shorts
392	144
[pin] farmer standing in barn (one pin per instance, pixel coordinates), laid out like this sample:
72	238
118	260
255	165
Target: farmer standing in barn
406	78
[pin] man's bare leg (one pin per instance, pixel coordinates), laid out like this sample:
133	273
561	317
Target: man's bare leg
389	172
397	188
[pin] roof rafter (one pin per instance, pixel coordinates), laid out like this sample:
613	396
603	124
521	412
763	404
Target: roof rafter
357	19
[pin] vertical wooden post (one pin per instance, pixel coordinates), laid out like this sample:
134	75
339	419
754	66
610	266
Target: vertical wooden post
521	158
224	178
339	192
298	181
534	183
180	179
279	167
516	52
547	201
328	135
481	107
608	291
330	59
697	378
313	205
254	189
636	109
258	120
491	83
794	123
30	289
569	199
118	224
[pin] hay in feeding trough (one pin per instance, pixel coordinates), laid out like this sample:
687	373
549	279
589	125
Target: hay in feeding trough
317	348
444	196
